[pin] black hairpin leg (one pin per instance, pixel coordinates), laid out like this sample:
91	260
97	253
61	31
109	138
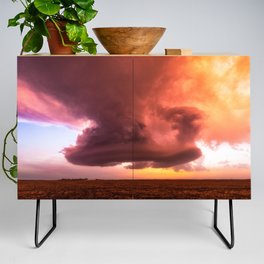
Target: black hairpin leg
231	244
54	223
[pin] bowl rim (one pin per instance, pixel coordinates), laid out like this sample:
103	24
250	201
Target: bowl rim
163	28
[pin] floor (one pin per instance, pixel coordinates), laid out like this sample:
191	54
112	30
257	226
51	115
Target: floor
129	231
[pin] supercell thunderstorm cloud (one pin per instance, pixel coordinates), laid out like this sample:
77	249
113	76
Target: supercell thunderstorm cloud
153	117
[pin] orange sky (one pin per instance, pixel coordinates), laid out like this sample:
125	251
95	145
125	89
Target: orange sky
220	88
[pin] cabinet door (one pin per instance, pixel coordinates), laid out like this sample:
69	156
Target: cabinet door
75	127
191	127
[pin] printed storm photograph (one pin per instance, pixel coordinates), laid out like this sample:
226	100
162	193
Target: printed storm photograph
134	127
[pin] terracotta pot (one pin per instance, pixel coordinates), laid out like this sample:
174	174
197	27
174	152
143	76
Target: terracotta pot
54	41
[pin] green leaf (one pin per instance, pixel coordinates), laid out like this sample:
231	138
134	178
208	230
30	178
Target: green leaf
41	27
32	41
12	22
84	3
22	27
29	18
76	49
27	24
15	159
32	10
88	40
76	32
90	47
70	14
86	15
47	7
13	171
66	3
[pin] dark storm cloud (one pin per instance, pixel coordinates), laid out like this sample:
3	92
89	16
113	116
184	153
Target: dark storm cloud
100	90
165	160
187	121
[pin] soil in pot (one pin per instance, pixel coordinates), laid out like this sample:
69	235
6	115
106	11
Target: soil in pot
55	43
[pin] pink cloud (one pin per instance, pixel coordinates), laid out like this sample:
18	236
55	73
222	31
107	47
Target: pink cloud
42	107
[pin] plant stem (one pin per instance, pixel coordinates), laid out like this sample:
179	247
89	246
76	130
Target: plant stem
23	3
7	158
4	156
12	134
58	28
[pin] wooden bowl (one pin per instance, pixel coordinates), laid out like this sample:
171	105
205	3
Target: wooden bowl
129	40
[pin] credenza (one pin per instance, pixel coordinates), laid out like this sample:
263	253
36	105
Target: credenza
133	127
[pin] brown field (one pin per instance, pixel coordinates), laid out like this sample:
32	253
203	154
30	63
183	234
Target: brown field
134	189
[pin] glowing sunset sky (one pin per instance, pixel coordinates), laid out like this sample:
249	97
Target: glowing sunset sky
166	117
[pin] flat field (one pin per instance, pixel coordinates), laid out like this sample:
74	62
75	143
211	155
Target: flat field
133	189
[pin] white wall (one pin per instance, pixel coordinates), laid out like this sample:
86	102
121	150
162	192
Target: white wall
206	26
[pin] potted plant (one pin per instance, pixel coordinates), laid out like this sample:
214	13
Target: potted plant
61	21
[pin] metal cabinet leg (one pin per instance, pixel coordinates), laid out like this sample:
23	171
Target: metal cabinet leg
230	245
54	223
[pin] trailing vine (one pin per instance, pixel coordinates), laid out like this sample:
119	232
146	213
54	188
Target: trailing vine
10	170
